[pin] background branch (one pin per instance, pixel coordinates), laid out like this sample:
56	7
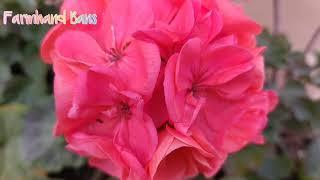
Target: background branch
277	16
311	43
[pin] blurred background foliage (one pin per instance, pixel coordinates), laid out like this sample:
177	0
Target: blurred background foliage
28	151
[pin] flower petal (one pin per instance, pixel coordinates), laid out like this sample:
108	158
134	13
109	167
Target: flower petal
234	18
249	127
107	166
81	48
129	16
141	66
183	21
179	158
208	26
156	108
137	137
188	64
101	31
222	64
64	83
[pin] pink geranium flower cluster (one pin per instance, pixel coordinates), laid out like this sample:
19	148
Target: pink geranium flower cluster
158	89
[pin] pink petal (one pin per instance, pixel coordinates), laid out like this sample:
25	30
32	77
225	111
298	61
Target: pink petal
230	125
249	127
235	19
179	158
81	48
230	40
64	83
96	89
141	66
91	146
93	93
103	126
239	86
183	21
246	83
106	166
273	100
189	113
137	138
222	64
156	108
84	7
162	39
208	27
190	142
170	89
100	150
165	10
209	4
182	107
167	144
188	64
47	45
129	16
101	31
216	116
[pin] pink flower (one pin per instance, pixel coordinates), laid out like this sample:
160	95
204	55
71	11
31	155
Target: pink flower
156	107
181	157
177	21
109	45
117	119
64	83
212	90
236	23
81	7
158	89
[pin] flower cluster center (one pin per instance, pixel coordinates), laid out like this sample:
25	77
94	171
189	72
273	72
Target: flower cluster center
124	110
114	54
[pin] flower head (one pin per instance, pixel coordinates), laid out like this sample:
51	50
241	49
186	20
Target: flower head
114	115
180	157
158	89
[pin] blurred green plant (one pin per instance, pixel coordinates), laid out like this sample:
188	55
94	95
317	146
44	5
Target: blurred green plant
27	147
28	150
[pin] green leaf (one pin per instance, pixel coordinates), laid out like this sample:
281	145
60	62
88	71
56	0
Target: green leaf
11	119
10	49
40	148
298	67
296	101
57	157
293	90
234	178
5	76
4	30
244	161
302	109
15	87
276	168
28	5
278	48
312	160
14	167
36	71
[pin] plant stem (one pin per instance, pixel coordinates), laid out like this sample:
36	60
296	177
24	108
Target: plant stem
277	17
311	43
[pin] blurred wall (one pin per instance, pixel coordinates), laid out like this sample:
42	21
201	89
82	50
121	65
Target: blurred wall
300	18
